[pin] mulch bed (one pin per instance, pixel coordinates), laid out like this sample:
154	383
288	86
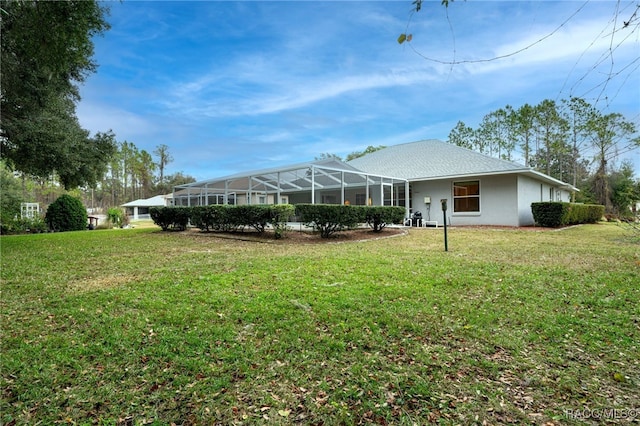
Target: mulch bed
304	237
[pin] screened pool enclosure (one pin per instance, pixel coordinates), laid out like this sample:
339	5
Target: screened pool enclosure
320	182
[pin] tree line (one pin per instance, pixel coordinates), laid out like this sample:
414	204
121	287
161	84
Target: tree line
570	140
46	53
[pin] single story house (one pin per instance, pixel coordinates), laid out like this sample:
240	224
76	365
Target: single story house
479	189
139	209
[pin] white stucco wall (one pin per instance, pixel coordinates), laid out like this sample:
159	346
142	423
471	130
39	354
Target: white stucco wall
498	201
505	200
529	191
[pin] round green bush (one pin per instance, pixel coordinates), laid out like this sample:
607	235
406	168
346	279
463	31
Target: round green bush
66	214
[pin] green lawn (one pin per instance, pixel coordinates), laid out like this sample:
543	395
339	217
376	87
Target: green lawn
145	327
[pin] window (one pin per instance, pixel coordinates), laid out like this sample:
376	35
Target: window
466	196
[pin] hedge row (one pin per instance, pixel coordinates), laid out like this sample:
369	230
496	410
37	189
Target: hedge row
176	218
224	217
330	218
554	214
325	218
233	218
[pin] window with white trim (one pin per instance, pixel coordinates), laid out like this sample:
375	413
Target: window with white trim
466	196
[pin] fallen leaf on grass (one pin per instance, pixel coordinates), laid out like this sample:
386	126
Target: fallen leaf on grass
284	413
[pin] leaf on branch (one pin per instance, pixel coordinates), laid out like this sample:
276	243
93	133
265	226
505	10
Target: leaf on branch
402	38
409	37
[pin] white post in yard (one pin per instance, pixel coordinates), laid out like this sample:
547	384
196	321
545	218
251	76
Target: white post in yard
278	200
313	185
366	201
406	198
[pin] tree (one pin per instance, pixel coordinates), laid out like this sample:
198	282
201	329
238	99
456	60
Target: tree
10	196
46	51
368	150
550	130
66	214
577	113
524	130
144	168
179	178
625	192
463	136
497	133
328	156
609	133
164	158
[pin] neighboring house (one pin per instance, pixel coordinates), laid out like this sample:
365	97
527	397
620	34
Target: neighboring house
139	209
480	190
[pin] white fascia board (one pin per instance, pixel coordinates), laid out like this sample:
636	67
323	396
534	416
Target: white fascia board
536	174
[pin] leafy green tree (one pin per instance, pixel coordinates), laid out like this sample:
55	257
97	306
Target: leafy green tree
609	134
66	214
164	158
144	168
463	136
10	196
497	132
625	191
523	122
551	135
367	150
577	112
328	156
46	52
173	180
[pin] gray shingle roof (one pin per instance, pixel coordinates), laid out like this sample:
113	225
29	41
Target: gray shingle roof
429	159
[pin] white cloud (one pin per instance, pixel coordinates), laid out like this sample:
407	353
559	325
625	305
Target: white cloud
102	117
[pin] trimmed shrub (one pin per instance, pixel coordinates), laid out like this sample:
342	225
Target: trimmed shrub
555	214
279	216
329	218
66	214
377	217
255	216
115	216
21	226
211	218
232	218
174	218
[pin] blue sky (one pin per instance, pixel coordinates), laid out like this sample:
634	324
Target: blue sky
235	86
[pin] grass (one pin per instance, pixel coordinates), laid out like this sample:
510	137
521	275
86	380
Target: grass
144	327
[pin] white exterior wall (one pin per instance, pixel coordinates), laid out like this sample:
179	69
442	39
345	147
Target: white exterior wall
498	201
505	200
533	191
528	192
